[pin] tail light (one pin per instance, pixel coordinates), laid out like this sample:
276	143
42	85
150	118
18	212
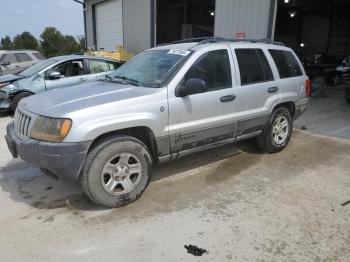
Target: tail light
307	87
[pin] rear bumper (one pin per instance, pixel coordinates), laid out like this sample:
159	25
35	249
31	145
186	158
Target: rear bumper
300	107
65	160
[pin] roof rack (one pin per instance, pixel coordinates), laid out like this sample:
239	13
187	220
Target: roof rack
265	41
208	40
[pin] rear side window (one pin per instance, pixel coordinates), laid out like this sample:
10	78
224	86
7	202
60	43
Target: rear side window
38	56
286	63
23	57
97	66
253	66
214	68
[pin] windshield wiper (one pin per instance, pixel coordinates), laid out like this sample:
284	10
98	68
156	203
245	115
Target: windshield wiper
128	80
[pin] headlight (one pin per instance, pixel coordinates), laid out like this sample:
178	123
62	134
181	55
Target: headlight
51	129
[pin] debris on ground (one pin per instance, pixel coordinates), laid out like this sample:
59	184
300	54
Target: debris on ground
345	203
196	251
303	128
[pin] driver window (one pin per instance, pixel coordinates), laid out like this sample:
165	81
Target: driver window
67	69
214	68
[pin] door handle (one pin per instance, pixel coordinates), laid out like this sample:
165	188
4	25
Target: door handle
17	66
273	89
228	98
82	79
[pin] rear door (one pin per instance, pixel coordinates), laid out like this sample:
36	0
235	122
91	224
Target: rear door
257	90
291	76
204	118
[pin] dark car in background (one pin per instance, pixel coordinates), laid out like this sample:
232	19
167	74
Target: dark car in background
333	68
15	61
53	73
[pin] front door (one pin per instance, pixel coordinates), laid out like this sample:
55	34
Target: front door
72	73
204	118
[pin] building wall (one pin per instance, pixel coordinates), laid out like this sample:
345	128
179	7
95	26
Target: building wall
89	21
255	17
137	25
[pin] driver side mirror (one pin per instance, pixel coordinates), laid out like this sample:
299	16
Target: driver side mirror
55	75
7	63
192	86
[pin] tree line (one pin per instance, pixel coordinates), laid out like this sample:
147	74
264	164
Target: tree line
52	43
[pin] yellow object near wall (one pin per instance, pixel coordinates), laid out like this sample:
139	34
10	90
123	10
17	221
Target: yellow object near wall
120	54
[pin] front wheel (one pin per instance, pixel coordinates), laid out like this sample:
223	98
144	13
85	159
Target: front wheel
18	98
116	171
277	132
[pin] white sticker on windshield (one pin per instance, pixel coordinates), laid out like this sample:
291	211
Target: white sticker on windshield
179	52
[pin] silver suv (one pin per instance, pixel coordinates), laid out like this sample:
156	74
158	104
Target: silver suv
15	61
166	102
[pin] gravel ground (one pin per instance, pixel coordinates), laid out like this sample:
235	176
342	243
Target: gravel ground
234	201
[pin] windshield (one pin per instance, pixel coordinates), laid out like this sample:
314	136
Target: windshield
150	68
37	67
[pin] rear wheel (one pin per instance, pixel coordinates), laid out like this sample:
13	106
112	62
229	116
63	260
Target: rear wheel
18	98
116	171
276	134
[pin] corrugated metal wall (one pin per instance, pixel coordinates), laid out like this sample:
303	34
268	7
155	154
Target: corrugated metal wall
89	21
255	17
137	25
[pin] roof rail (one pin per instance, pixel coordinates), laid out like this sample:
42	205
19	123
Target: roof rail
208	40
191	40
266	41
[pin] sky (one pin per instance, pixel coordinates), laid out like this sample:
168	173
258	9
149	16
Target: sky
17	16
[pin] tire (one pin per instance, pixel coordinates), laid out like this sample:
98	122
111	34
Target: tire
270	140
107	177
17	98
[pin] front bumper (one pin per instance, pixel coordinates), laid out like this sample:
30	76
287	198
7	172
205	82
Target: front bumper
65	160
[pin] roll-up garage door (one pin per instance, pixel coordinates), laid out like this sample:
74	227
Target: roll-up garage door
109	24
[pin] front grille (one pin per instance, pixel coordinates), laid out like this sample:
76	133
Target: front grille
22	124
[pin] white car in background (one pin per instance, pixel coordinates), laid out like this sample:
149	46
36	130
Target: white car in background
15	61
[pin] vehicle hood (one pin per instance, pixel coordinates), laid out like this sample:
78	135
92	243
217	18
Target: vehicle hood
57	103
10	78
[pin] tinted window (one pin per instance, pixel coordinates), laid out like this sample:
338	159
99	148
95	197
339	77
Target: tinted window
23	57
38	56
97	66
253	66
9	58
286	63
214	68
